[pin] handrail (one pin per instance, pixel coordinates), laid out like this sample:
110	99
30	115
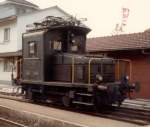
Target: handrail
20	68
73	69
126	60
89	68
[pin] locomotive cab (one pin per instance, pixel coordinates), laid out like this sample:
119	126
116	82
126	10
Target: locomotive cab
43	49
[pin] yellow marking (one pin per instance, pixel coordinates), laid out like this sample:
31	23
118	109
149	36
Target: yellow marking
73	67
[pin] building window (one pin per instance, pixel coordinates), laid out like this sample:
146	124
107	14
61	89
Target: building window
6	34
8	65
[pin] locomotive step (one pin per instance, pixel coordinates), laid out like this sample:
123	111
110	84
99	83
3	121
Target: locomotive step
85	94
83	103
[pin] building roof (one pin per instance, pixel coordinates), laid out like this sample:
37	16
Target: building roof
119	42
7	19
11	54
23	2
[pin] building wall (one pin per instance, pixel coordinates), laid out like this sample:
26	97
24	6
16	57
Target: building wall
5	77
7	10
141	73
10	9
9	46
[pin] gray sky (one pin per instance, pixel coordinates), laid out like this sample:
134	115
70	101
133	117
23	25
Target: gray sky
102	15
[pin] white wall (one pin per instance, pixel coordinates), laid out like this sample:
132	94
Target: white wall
5	76
18	27
35	17
10	46
7	10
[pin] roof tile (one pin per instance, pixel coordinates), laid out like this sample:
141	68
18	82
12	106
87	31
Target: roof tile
119	42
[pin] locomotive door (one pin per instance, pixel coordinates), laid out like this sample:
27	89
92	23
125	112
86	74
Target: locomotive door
32	57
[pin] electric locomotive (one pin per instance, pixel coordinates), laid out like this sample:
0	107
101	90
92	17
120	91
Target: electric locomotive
56	67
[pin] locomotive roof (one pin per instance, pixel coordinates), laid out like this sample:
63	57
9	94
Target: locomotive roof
54	23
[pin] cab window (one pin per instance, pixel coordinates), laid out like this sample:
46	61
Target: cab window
32	49
74	47
57	45
76	42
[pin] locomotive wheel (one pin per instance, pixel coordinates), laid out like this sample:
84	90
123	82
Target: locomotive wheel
66	100
97	104
100	102
29	93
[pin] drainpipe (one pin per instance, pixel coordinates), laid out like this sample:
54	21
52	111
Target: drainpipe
12	74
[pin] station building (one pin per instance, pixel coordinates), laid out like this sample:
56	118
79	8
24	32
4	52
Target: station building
14	17
133	48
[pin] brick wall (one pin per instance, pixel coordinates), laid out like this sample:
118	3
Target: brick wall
141	73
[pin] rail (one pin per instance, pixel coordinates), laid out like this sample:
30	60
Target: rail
89	68
6	121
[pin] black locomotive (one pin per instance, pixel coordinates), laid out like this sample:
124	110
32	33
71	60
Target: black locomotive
55	67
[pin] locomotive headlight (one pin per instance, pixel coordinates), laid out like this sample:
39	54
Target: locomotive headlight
127	77
99	77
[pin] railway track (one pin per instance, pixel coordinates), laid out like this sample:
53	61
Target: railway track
126	114
8	123
140	117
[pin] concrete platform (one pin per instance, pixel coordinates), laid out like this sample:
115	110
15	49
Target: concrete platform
40	116
9	89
